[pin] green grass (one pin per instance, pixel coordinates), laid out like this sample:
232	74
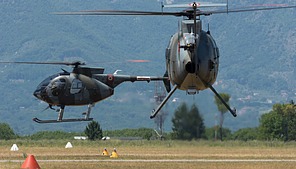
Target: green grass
150	150
145	143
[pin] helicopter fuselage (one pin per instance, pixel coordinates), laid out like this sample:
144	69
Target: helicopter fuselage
189	67
83	86
72	89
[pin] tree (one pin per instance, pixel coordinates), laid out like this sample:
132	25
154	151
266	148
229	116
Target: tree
187	124
93	131
222	109
6	132
290	121
246	134
52	135
279	123
211	135
144	133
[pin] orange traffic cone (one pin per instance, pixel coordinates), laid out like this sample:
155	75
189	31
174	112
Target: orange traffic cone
30	163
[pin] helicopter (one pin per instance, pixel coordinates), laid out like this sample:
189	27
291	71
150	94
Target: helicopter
192	55
82	86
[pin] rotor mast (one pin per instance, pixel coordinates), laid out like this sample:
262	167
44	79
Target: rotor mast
194	6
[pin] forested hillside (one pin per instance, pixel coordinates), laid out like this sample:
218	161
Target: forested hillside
257	65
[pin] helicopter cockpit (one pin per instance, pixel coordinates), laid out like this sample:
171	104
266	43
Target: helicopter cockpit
40	92
188	26
55	83
189	35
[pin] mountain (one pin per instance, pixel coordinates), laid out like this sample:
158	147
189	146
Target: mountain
257	63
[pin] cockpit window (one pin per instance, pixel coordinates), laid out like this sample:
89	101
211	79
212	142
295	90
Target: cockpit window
59	83
76	86
46	81
63	80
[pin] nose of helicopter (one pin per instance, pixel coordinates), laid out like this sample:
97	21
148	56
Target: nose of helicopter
37	94
40	93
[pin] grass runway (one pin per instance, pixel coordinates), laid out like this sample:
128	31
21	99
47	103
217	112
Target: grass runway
151	154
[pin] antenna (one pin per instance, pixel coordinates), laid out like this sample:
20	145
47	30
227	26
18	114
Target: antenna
194	6
115	73
227	6
179	34
162	6
208	29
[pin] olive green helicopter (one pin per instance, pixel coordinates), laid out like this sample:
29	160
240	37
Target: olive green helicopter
83	86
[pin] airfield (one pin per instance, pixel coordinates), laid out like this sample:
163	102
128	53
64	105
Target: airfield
52	154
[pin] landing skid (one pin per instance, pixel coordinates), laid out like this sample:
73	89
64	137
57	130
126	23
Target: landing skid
60	121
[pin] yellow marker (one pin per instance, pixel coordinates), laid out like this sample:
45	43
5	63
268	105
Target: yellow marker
105	152
114	154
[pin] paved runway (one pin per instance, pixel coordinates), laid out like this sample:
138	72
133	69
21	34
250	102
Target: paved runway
164	160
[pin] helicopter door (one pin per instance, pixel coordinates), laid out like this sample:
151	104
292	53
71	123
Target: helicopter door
76	86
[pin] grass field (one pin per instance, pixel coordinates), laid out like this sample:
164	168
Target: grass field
151	154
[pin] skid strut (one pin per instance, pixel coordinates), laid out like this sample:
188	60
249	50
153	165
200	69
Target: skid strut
87	113
61	113
232	111
155	112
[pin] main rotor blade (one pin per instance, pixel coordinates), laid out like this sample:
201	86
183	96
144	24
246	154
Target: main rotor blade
182	13
247	9
121	12
77	63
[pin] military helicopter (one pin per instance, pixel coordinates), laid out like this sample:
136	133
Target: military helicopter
192	56
82	86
